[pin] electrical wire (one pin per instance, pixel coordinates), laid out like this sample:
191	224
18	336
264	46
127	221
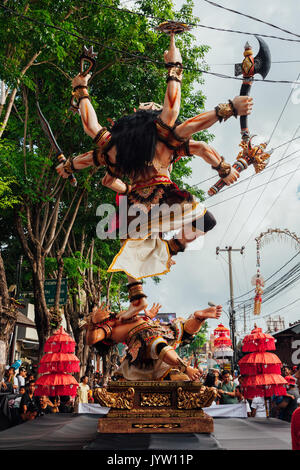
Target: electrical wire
276	199
144	58
269	166
253	189
197	25
285	282
270	277
254	206
251	17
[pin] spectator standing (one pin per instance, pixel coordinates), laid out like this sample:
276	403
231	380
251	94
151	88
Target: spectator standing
29	378
292	388
45	406
286	406
29	404
83	390
12	379
211	362
66	404
211	380
258	408
21	377
227	390
6	385
218	376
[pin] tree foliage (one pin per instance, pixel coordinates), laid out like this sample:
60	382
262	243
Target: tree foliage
43	217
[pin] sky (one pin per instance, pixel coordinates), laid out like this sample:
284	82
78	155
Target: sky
199	275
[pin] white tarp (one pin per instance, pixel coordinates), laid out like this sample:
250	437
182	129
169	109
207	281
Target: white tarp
92	408
222	411
227	411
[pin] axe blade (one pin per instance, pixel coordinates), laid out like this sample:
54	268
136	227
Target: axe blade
262	62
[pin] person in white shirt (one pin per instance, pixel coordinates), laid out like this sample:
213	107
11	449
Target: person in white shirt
83	389
258	408
21	378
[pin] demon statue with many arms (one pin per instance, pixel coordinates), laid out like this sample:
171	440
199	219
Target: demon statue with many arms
151	346
138	154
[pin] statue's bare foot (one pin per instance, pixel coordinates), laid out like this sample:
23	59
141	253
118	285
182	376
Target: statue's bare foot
135	307
170	263
210	312
193	374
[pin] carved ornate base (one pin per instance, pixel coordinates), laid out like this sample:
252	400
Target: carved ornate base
155	407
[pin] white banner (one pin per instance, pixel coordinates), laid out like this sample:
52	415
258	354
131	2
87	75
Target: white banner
93	408
221	411
227	411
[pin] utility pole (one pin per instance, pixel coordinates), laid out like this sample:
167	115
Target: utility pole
229	251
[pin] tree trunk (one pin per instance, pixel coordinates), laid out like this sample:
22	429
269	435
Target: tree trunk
7	318
42	316
3	284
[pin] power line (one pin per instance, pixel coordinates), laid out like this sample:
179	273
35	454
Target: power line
197	25
284	282
269	166
254	206
252	18
136	56
273	62
285	306
277	197
272	275
253	189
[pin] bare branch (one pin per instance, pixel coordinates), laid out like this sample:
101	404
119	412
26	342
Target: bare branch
25	100
14	92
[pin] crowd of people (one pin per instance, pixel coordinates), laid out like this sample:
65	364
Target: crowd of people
230	392
25	405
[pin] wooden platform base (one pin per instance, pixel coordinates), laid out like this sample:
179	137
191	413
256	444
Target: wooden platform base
155	407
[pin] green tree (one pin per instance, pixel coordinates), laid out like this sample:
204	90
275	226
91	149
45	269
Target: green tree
54	221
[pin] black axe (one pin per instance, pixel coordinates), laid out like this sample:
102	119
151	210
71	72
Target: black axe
250	155
250	66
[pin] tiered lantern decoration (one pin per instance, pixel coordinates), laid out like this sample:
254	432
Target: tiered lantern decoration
222	343
262	369
57	365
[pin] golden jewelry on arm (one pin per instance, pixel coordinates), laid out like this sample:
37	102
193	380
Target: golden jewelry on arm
174	71
79	93
225	111
69	167
223	169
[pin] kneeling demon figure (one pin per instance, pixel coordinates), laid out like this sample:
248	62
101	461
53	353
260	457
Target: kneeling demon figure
150	345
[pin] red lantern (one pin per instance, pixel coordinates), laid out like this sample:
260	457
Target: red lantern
222	337
56	365
262	369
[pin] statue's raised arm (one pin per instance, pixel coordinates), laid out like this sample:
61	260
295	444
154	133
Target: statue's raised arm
173	61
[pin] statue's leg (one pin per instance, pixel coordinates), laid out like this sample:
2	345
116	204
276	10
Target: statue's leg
195	322
137	299
190	232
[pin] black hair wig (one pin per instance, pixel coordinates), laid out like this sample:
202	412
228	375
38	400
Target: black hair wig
135	138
